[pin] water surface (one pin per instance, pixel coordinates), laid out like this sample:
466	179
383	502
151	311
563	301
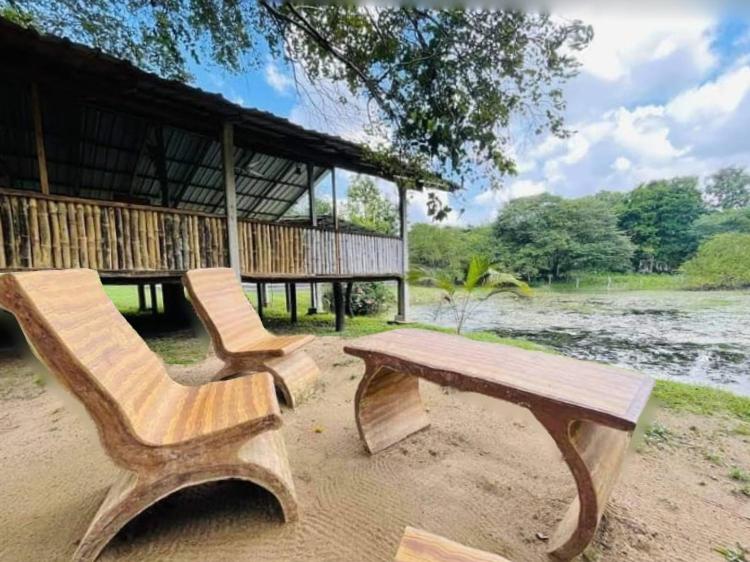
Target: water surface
698	337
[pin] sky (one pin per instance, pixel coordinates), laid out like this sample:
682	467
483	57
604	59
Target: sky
658	95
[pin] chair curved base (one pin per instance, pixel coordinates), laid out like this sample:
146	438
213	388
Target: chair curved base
388	408
262	460
295	375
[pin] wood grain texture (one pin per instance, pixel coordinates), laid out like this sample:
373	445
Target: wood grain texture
589	409
240	339
165	435
421	546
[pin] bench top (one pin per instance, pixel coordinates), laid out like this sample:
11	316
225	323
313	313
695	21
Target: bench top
592	391
421	546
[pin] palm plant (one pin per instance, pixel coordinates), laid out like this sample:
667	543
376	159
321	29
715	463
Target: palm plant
481	282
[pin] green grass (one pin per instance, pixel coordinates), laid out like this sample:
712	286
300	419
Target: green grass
739	474
184	348
730	554
620	282
701	400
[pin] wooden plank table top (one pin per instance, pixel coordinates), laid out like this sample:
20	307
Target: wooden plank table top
608	395
589	409
420	546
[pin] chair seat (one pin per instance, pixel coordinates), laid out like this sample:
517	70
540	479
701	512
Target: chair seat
272	346
246	404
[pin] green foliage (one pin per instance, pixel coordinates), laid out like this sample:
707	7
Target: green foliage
703	400
481	282
722	262
729	188
447	248
367	298
738	554
721	222
739	474
442	86
658	217
367	207
546	235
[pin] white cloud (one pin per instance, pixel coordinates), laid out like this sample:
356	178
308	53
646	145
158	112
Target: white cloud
282	83
624	39
713	99
622	164
491	201
643	131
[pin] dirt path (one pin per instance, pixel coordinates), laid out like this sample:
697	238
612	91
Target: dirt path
485	474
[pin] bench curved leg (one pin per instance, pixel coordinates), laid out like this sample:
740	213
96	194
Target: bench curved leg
262	461
294	375
388	407
594	455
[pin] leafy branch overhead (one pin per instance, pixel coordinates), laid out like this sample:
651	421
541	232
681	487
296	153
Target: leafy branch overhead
443	88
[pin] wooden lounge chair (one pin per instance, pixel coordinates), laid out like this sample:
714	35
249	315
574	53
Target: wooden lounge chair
421	546
589	409
240	339
164	435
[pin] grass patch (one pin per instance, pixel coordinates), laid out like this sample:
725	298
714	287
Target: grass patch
739	475
181	348
658	434
622	282
733	554
701	400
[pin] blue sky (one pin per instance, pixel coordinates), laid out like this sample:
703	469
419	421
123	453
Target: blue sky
658	95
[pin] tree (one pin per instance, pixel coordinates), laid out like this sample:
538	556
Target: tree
549	236
448	248
720	222
482	281
729	188
723	262
367	207
658	217
440	86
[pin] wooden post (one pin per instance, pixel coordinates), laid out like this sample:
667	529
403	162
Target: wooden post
338	305
227	145
41	154
333	194
293	302
403	288
260	290
176	306
159	156
141	297
154	299
311	195
313	299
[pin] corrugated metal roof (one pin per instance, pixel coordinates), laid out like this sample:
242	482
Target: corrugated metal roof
103	154
109	147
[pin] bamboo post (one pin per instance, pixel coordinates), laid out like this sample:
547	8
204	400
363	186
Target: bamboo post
36	247
403	288
230	200
9	233
54	212
91	242
75	258
41	155
97	213
45	235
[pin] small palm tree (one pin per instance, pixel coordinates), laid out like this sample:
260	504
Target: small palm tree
481	282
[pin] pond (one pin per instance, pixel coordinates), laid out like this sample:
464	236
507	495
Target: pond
696	337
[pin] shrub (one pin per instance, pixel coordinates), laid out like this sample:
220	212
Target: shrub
722	262
368	298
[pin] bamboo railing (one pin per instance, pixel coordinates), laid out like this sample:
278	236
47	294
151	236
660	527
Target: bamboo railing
52	232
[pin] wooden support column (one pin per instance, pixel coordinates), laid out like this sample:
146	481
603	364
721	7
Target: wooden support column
293	302
176	306
403	287
314	289
41	153
233	244
338	305
159	157
141	297
260	289
154	299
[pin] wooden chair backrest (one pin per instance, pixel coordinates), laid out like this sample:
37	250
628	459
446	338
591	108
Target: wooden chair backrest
76	331
220	301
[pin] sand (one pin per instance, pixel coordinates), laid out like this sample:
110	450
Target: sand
484	474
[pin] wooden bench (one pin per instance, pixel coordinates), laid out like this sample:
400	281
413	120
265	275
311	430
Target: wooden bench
240	339
164	435
589	409
421	546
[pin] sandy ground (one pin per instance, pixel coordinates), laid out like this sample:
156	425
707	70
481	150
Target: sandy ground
484	474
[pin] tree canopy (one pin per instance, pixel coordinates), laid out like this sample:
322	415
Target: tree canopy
658	217
729	188
367	207
442	87
546	235
448	248
723	262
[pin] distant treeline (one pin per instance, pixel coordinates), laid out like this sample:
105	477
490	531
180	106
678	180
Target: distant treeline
657	227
